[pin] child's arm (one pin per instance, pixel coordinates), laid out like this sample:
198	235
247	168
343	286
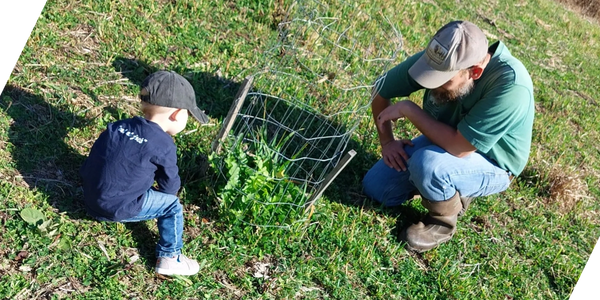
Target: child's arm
167	174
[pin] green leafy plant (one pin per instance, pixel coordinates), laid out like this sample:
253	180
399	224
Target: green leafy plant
35	217
256	188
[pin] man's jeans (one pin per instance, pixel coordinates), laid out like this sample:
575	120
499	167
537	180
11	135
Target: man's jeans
435	174
169	214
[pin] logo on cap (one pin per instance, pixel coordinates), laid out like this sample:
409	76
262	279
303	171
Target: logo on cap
437	52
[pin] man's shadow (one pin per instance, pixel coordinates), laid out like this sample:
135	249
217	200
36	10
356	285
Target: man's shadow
38	139
347	189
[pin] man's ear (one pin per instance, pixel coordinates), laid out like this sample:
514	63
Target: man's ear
173	116
476	72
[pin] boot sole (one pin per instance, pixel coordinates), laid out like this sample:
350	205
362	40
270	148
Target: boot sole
411	248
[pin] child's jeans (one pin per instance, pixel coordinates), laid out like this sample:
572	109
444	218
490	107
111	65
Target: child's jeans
169	214
436	174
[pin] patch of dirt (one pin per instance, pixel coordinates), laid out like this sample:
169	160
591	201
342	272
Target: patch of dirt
70	288
479	224
229	290
588	8
265	269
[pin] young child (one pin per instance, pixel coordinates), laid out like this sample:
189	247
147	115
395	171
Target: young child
131	155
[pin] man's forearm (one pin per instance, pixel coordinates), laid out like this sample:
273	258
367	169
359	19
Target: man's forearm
385	133
439	133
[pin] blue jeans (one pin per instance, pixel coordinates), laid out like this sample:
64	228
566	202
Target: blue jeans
436	174
169	214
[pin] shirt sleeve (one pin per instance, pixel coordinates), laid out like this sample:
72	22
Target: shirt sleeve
498	112
397	82
167	173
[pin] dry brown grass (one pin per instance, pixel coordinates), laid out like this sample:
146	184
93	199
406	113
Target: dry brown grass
589	8
566	187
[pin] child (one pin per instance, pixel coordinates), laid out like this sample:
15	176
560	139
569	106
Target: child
132	154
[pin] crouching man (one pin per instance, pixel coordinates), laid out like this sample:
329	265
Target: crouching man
475	124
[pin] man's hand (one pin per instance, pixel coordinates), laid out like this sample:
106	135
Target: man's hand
394	155
390	113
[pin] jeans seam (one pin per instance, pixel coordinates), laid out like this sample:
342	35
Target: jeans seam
175	230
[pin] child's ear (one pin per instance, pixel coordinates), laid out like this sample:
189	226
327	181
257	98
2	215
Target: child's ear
173	116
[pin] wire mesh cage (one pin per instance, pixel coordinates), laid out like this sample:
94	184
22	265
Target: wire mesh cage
288	130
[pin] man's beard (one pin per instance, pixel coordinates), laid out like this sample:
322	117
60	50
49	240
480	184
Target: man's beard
441	96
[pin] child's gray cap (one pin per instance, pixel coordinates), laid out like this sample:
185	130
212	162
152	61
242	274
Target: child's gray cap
169	89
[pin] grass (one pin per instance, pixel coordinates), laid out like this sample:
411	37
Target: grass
81	69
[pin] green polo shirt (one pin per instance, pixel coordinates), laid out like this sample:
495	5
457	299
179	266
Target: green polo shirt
496	118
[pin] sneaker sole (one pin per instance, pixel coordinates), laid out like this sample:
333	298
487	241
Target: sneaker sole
171	272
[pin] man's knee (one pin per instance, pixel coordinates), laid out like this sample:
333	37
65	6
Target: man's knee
427	162
385	185
370	187
368	183
428	170
377	180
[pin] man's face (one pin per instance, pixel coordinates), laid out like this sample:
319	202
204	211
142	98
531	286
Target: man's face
456	88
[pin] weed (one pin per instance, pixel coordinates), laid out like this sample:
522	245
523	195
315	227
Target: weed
255	188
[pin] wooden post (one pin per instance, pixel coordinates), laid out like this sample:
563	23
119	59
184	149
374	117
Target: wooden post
232	114
330	177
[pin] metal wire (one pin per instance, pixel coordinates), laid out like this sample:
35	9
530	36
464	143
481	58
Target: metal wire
312	88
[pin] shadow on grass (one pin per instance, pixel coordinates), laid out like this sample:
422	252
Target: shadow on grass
347	189
46	162
214	95
40	153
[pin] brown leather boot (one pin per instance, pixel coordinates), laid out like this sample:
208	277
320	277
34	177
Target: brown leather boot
437	227
465	204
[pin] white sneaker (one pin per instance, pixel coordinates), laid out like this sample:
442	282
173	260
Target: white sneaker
177	265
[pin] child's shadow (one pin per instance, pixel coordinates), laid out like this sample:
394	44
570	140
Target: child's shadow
42	153
45	159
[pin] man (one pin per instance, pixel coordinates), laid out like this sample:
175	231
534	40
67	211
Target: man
476	125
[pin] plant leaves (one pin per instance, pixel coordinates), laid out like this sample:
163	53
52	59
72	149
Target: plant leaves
32	215
182	279
44	225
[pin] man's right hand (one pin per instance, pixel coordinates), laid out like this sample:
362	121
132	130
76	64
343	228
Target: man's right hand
394	155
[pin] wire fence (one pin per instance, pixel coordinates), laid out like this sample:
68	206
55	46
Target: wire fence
311	89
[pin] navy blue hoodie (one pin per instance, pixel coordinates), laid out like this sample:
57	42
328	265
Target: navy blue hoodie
125	161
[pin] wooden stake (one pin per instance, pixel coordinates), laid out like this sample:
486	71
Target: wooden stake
330	177
232	114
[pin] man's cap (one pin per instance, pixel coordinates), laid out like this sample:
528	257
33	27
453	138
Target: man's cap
456	46
169	89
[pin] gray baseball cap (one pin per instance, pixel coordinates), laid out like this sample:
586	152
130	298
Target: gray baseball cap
456	46
169	89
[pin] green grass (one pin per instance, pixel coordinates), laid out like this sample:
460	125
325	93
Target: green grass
81	69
